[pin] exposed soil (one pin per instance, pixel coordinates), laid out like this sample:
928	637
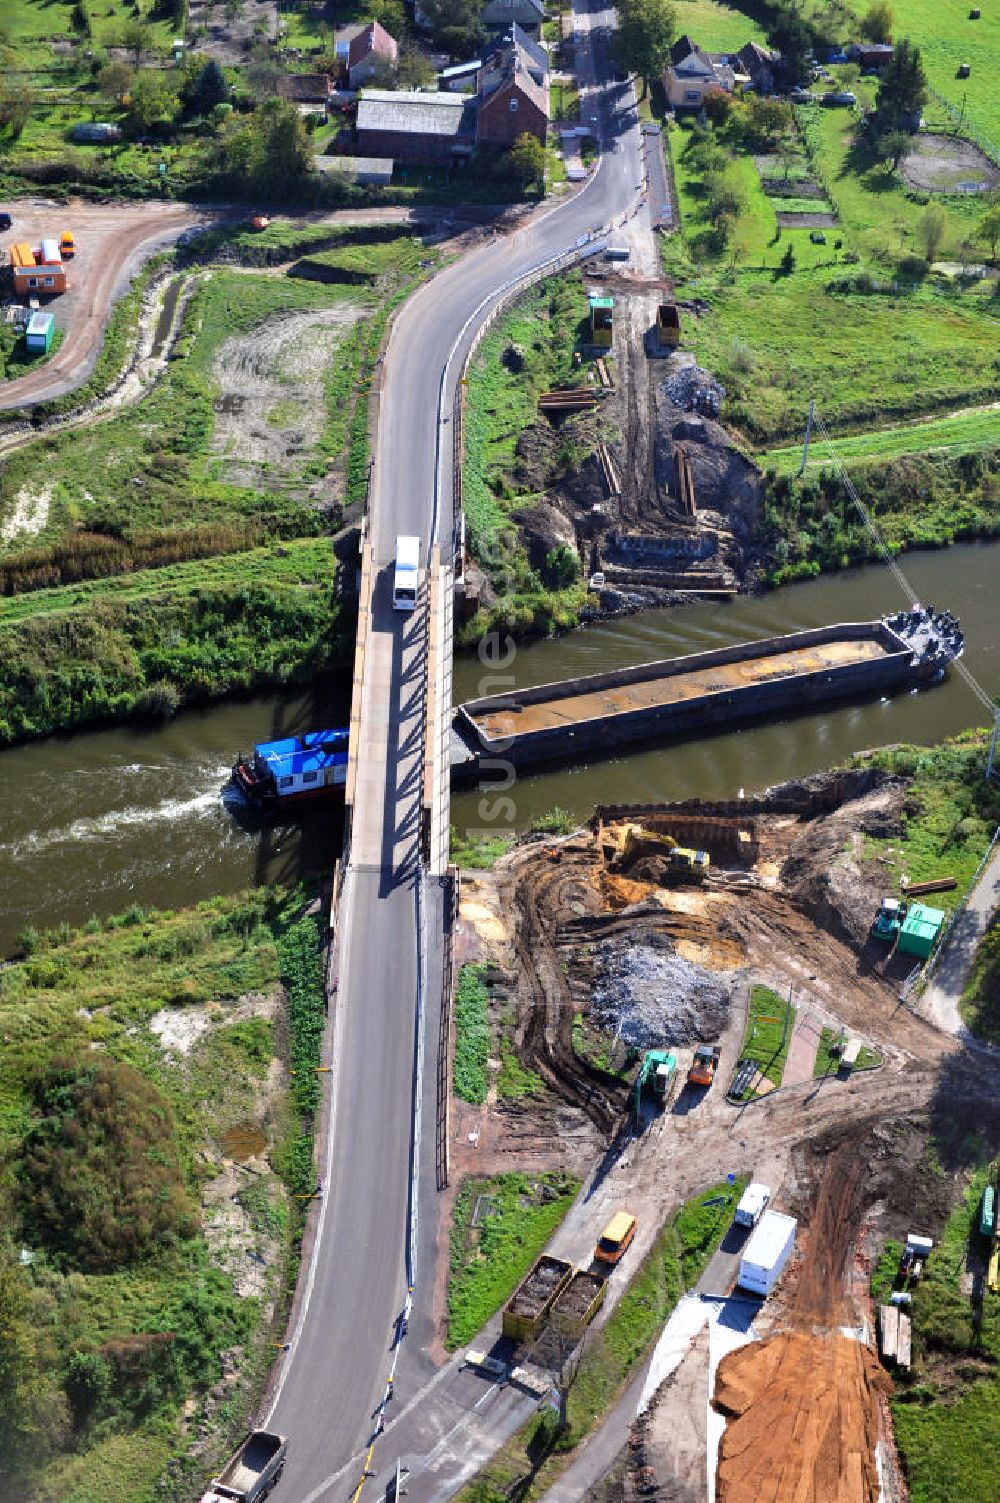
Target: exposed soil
112	242
269	409
229	38
947	164
807	220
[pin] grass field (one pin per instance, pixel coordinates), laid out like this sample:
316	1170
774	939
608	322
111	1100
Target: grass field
980	1005
538	1454
954	814
944	1412
488	1261
768	1033
962	433
716	27
100	989
472	1035
829	1050
946	38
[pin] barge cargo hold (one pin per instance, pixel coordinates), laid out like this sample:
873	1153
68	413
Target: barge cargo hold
600	713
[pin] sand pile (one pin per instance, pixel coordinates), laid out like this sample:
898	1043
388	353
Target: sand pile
804	1423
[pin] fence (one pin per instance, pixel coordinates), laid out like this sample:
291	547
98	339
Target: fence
958	119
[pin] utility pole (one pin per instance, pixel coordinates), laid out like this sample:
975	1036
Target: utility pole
805	446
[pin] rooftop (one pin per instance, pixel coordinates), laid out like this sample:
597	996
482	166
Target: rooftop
425	114
309	753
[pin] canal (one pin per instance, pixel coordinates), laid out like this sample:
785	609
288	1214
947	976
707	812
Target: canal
93	822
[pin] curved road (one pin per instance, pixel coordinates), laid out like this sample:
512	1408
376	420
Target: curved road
355	1284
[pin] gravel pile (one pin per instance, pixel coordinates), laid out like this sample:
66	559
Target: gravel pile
649	995
695	390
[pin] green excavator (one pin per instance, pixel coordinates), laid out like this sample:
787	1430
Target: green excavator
654	1078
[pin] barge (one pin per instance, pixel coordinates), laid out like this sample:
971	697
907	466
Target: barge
292	770
717	690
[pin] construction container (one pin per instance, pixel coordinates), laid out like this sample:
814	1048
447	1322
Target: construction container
987	1214
919	931
849	1057
39	334
601	320
668	325
767	1252
528	1307
579	1302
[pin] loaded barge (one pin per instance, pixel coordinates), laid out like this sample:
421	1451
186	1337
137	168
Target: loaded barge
718	690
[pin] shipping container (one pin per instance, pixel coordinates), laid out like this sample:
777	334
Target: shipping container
767	1252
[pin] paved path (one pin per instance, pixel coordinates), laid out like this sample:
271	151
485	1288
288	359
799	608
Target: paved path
940	1001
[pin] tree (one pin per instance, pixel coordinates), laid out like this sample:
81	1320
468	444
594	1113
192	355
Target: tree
33	1415
718	106
415	70
788	260
790	36
644	37
115	81
725	201
16	103
893	147
931	230
454	24
526	160
100	1176
268	151
210	88
903	88
764	122
876	23
135	38
153	100
988	229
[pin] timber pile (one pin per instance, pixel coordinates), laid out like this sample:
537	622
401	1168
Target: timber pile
604	374
570	399
804	1421
609	471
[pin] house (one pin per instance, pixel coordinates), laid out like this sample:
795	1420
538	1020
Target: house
40	333
513	92
682	48
686	83
40	271
876	55
759	65
418	129
370	53
498	16
310	91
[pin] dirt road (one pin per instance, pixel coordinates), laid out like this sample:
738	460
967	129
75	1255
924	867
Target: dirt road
112	243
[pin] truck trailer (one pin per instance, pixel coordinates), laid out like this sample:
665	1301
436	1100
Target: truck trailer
767	1252
252	1472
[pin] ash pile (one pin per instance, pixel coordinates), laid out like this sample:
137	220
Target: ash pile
648	994
694	390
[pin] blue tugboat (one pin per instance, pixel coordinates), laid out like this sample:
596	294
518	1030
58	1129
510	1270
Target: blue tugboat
293	769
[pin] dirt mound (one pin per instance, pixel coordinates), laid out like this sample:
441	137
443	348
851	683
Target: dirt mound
649	995
805	1421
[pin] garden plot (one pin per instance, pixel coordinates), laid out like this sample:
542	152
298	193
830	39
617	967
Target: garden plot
270	408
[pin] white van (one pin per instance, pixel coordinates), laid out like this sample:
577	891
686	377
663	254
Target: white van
406	579
753	1203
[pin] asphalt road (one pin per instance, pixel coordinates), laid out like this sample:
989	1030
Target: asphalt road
335	1373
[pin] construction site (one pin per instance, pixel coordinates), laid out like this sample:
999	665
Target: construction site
616	958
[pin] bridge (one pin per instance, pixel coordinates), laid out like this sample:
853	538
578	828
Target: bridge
364	1302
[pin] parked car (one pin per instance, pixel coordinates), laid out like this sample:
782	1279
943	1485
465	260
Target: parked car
840	97
6	223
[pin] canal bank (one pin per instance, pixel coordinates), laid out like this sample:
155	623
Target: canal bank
93	822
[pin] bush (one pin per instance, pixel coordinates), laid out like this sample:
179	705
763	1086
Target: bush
99	1178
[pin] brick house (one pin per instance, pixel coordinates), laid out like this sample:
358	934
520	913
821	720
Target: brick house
371	50
415	128
513	92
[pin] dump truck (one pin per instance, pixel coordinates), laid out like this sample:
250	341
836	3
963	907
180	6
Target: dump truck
654	1078
704	1065
252	1471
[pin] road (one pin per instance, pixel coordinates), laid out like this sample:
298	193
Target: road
354	1284
940	1002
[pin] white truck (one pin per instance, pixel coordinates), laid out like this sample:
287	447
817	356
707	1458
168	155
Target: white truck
406	575
767	1252
753	1204
250	1474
